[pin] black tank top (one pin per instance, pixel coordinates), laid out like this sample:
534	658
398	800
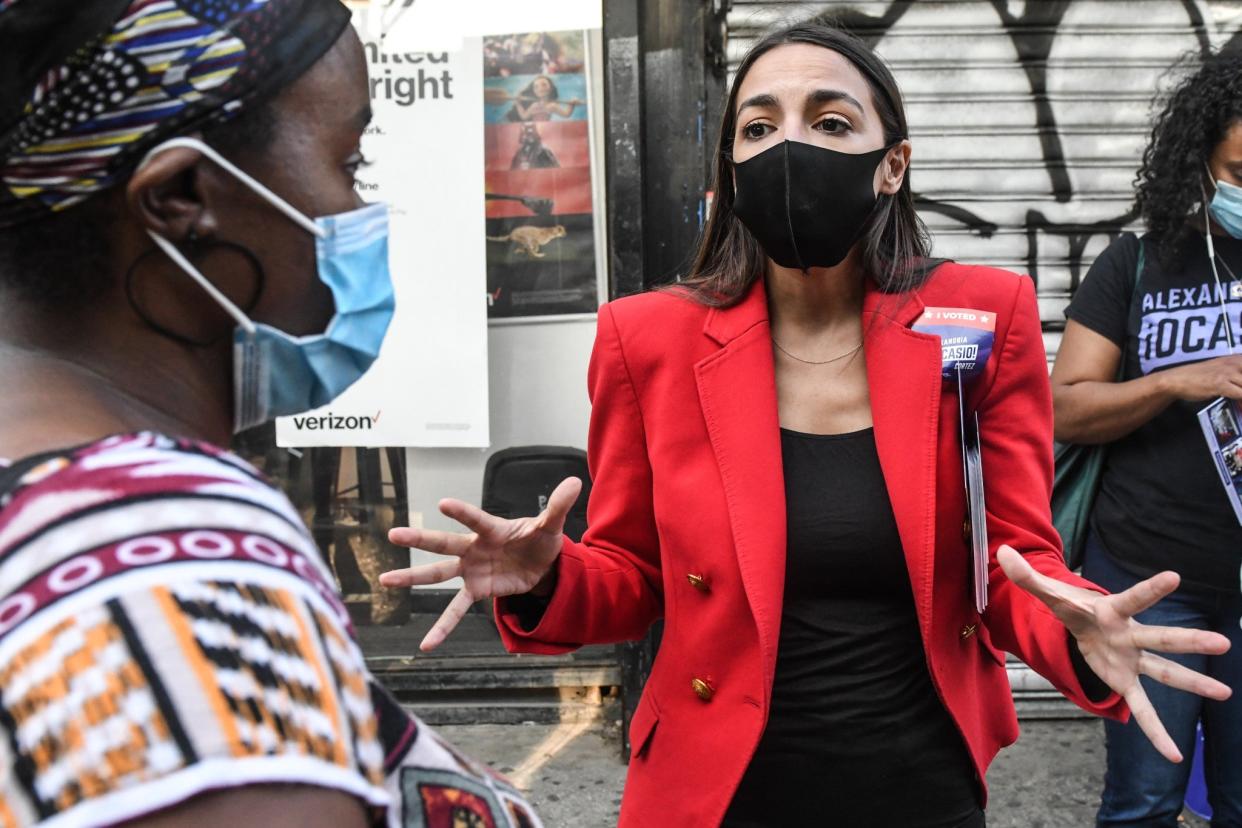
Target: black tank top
856	733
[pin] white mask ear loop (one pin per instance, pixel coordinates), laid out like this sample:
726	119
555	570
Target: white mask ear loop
1220	290
225	302
263	192
259	189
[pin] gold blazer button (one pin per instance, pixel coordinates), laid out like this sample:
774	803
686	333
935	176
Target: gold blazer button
699	582
702	689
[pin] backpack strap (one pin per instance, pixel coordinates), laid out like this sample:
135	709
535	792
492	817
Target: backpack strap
1131	320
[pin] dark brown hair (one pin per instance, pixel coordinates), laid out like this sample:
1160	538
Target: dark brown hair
729	259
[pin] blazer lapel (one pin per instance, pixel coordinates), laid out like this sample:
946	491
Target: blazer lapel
903	375
737	391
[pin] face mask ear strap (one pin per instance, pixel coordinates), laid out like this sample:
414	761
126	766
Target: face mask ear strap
228	166
1207	227
1220	290
225	302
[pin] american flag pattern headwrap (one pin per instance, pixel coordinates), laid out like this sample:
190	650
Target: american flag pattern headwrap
77	115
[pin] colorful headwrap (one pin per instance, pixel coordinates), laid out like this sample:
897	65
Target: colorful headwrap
88	86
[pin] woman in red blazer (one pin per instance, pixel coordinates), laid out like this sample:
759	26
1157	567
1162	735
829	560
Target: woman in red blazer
778	475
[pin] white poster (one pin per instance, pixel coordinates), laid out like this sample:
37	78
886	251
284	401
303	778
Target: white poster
425	144
442	24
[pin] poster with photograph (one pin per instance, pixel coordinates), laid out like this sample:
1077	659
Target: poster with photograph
1220	422
540	223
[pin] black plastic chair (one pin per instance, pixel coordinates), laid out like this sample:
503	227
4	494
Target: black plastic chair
518	481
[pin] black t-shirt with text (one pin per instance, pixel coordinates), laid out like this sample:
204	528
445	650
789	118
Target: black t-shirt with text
1161	504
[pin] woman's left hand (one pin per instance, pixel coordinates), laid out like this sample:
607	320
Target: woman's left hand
1118	648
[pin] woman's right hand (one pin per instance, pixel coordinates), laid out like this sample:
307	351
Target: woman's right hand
498	557
1219	377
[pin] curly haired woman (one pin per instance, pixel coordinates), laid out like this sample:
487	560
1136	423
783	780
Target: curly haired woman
1167	309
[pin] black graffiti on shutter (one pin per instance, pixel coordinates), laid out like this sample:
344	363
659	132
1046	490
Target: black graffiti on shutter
865	26
1033	34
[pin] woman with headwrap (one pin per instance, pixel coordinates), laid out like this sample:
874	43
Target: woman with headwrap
183	255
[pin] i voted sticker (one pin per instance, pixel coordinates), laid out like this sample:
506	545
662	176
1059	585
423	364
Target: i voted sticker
966	337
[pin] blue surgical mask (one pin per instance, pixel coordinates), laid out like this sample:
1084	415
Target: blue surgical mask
1226	208
276	373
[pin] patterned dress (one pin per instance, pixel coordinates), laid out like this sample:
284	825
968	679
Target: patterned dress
168	627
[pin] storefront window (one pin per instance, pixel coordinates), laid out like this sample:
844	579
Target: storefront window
349	498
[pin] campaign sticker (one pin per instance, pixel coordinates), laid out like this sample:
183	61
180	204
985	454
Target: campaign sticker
966	337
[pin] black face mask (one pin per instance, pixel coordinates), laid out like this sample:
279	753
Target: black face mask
804	204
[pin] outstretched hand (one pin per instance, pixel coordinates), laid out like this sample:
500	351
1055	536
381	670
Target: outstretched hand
1118	648
498	557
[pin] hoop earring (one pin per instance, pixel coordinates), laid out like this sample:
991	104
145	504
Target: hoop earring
197	248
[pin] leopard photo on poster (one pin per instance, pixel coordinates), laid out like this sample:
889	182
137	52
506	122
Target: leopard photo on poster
540	223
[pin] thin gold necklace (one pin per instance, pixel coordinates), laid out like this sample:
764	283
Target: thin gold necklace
850	352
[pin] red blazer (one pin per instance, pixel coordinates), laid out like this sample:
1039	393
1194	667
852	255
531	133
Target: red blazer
686	459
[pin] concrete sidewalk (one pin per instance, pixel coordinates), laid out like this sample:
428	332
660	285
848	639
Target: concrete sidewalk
574	774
